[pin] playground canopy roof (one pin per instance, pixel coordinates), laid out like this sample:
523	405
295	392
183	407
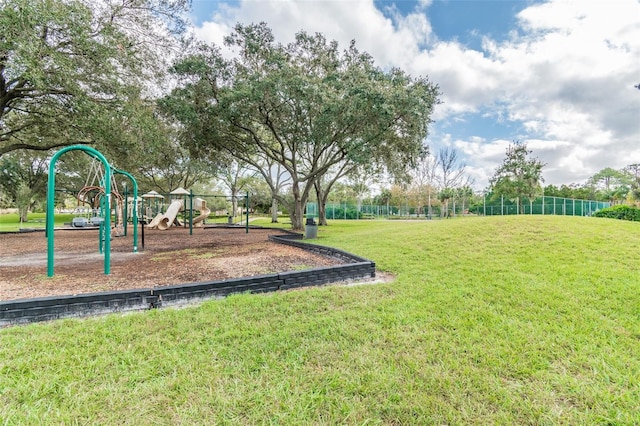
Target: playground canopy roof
152	194
180	191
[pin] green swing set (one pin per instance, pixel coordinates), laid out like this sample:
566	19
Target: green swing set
102	187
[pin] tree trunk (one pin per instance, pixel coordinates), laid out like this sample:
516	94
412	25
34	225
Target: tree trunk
300	198
24	211
274	210
297	212
321	196
234	204
23	201
322	214
296	216
520	205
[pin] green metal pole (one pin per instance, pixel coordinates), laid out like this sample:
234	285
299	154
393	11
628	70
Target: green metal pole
100	237
246	207
126	213
191	212
135	207
135	216
104	207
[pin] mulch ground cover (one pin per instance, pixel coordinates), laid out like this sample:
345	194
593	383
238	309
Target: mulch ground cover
169	257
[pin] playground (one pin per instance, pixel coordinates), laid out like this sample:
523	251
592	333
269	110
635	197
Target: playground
171	256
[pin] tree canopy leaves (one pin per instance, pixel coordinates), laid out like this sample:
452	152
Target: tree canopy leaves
519	175
305	106
69	68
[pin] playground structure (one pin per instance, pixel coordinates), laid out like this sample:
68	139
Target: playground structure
163	221
101	194
184	210
201	205
170	217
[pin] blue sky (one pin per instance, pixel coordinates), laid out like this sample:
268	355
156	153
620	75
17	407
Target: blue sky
558	75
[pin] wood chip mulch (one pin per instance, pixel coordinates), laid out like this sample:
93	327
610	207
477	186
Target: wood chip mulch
169	257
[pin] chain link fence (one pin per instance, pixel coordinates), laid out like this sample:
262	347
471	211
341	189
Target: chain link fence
367	211
542	206
487	207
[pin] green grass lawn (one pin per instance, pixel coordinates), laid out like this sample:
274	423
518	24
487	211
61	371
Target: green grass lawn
500	320
11	222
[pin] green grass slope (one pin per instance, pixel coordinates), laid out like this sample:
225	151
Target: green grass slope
501	320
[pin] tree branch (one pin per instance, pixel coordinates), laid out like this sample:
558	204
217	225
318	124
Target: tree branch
12	147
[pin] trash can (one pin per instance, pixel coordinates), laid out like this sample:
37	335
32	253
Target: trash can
230	220
311	229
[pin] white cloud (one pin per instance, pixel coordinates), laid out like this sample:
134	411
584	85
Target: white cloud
486	155
580	65
568	78
566	74
342	21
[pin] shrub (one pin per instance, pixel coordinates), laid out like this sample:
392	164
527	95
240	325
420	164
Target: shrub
620	212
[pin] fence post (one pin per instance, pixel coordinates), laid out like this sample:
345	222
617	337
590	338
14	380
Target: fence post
484	204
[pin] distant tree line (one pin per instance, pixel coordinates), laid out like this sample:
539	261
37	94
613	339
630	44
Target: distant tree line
615	186
519	177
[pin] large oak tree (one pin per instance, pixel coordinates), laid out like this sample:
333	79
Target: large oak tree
306	106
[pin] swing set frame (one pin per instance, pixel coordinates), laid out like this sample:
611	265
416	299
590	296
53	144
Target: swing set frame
105	201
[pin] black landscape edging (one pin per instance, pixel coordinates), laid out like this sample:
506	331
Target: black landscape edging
293	239
24	311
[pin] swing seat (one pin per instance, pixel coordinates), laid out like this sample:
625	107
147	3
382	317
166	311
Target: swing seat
79	222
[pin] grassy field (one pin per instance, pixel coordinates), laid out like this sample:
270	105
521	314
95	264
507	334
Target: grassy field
11	222
500	320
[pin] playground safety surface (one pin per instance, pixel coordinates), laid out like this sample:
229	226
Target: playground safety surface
169	257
